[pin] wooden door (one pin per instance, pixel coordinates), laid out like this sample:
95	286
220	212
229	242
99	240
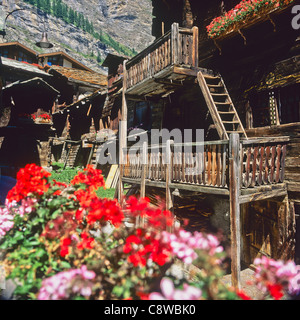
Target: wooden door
260	230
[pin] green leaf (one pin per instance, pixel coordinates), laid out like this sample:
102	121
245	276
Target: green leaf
118	291
65	265
40	252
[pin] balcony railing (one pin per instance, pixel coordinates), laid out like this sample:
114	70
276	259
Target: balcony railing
179	46
261	162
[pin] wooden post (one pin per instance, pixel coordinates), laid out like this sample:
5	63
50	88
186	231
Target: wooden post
195	55
174	43
168	175
234	189
144	166
91	155
123	132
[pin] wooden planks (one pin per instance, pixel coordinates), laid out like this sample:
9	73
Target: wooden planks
263	163
235	223
177	47
206	166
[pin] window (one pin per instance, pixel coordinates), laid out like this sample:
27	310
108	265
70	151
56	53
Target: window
277	106
4	53
289	104
142	115
56	61
22	56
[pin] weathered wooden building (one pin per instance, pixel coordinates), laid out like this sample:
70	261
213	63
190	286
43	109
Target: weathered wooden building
242	87
25	135
75	85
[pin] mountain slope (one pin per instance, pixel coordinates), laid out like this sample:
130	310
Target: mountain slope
122	26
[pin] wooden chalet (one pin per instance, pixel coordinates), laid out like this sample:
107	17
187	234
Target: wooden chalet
242	88
28	126
76	128
70	95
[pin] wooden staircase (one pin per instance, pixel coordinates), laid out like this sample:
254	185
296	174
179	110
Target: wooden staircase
221	108
71	156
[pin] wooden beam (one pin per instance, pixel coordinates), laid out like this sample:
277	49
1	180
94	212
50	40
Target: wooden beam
234	190
181	186
168	175
174	43
185	71
144	166
123	132
265	192
195	55
91	153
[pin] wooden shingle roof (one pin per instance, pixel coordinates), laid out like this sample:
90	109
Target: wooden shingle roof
88	77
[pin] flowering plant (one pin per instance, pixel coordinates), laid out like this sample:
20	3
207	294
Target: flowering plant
61	241
241	14
44	117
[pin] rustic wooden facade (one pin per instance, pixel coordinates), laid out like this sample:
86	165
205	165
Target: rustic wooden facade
249	162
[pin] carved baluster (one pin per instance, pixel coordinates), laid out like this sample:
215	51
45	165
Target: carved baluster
260	166
278	162
272	169
281	177
209	165
267	166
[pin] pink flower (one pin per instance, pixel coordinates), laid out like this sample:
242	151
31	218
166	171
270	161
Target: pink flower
26	206
170	293
68	283
6	221
272	274
184	244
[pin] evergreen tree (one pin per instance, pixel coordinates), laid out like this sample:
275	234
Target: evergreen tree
71	16
76	20
99	57
59	10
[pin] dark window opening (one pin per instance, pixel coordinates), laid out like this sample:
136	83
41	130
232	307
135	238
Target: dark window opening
142	116
56	61
278	106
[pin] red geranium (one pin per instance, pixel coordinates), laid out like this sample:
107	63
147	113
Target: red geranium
104	210
156	217
241	294
64	246
32	179
87	242
91	177
275	291
143	246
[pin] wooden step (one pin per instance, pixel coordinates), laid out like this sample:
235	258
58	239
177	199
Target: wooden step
237	131
206	76
223	103
219	94
231	122
215	85
218	108
226	112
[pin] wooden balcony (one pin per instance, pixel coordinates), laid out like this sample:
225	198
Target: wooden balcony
260	164
170	58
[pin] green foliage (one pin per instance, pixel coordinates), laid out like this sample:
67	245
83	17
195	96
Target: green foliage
67	174
27	255
63	175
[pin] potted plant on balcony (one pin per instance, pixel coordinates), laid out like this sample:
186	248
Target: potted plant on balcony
243	14
43	118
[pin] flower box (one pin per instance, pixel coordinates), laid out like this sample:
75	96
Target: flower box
42	119
244	14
